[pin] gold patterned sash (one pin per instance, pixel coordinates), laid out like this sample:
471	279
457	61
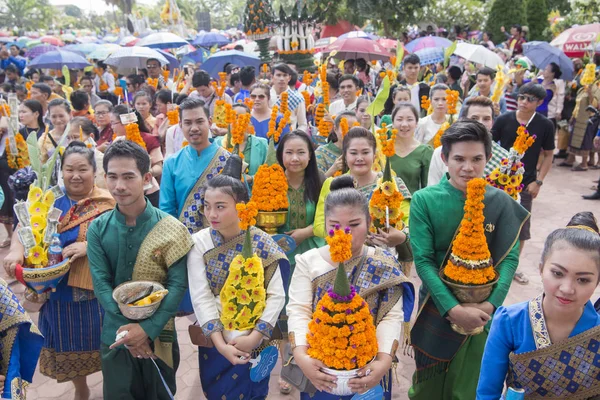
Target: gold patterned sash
164	245
191	213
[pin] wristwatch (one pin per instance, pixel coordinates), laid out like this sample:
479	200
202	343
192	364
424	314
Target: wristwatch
539	183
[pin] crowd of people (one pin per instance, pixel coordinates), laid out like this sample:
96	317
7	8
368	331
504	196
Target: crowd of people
161	206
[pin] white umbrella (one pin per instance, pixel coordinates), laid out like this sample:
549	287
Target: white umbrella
478	54
162	40
103	51
129	58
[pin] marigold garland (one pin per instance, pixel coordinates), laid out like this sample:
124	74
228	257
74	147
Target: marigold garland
221	86
452	97
283	105
247	213
340	244
173	116
388	146
437	139
152	82
132	133
425	102
306	97
184	144
118	92
344	126
5	110
239	129
165	74
589	74
272	132
270	188
21	159
470	262
249	103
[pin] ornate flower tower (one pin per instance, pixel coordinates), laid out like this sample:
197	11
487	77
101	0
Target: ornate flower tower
295	42
259	21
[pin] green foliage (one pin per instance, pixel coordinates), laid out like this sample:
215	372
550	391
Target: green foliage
26	14
564	6
389	15
448	13
258	15
505	13
73	11
537	19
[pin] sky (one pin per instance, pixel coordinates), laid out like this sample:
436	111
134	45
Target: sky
98	6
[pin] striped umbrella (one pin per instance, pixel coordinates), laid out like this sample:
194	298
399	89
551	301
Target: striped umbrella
431	55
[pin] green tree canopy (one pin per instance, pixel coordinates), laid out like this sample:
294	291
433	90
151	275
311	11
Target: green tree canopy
537	19
505	13
26	14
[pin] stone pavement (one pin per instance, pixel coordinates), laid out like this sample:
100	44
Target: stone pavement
559	200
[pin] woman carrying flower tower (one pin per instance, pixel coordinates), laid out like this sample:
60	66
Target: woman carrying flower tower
447	361
375	275
236	275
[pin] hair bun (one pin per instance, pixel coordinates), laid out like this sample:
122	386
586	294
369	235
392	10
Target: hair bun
584	218
342	182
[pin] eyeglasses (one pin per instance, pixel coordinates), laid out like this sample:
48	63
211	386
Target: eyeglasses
152	66
258	96
102	113
529	99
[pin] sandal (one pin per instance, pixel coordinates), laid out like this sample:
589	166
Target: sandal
565	164
579	168
5	243
284	387
521	278
595	166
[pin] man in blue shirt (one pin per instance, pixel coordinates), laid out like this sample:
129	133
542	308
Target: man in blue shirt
13	58
247	78
485	81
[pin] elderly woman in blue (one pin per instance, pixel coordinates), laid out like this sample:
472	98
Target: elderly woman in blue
549	346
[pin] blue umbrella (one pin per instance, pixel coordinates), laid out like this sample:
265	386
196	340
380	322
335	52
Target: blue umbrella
82	48
430	55
217	61
39	50
162	40
210	39
57	59
197	56
173	61
541	54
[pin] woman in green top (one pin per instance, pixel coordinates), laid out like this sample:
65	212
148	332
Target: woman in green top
329	156
411	161
358	153
297	157
254	148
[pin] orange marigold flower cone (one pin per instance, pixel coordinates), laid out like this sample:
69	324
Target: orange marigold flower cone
270	187
470	262
132	132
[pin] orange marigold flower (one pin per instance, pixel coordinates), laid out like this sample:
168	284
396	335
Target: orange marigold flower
247	214
173	116
270	187
340	244
132	132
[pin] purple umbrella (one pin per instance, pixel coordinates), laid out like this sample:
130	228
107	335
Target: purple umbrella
426	42
59	58
39	50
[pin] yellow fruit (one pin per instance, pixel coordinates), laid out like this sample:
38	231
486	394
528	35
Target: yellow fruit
35	194
152	298
48	198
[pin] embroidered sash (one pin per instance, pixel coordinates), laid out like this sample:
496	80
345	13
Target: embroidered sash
164	245
191	213
569	369
82	214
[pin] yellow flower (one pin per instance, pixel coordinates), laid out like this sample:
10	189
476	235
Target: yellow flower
243	296
37	256
258	294
38	208
38	237
38	223
249	282
503	179
229	310
253	265
48	198
35	194
495	174
243	319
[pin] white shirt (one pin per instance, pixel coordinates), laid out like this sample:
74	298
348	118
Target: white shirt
108	79
298	117
173	140
338	106
426	129
437	168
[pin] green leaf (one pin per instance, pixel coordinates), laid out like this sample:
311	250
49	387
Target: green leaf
448	52
378	104
67	74
34	154
48	167
399	55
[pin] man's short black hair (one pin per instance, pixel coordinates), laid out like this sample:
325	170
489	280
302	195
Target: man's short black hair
86	78
351	61
46	78
200	78
282	67
234	78
533	89
349	77
12	68
20	88
42	87
229	68
454	72
239	47
80	100
333	81
412	59
487	72
466	130
130	150
192	103
518	28
248	75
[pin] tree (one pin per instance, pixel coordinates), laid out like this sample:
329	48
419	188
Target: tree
537	19
389	15
564	6
126	6
505	13
448	13
73	11
26	14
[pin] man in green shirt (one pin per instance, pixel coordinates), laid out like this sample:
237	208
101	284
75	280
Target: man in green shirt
137	241
447	362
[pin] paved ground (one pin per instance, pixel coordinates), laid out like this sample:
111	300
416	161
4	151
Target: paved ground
559	200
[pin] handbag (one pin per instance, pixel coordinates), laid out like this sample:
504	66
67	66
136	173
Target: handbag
292	373
198	338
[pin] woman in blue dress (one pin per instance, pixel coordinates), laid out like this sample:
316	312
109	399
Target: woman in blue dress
260	94
549	346
71	318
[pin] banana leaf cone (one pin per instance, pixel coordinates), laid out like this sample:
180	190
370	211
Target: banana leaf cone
271	154
233	167
341	285
387	171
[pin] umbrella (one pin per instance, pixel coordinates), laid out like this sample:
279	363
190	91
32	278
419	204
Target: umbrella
215	63
210	39
5	34
53	40
162	40
39	50
358	34
32	43
357	48
389	44
324	42
103	51
241	42
110	38
134	57
478	54
431	55
83	48
68	37
173	61
574	41
88	39
541	54
57	59
7	40
197	56
427	41
183	50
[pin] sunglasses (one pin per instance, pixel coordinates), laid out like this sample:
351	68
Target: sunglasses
529	99
258	96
